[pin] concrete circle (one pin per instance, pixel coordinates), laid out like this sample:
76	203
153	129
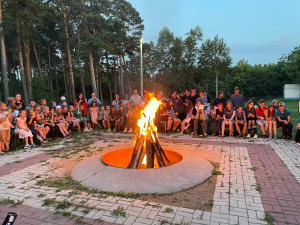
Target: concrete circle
190	171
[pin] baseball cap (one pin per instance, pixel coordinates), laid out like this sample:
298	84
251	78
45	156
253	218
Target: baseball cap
58	107
281	104
236	88
62	98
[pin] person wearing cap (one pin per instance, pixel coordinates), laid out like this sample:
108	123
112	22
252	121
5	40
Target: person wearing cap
228	119
63	101
261	117
237	99
283	116
221	99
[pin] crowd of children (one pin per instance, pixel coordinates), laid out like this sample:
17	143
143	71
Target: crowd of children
187	112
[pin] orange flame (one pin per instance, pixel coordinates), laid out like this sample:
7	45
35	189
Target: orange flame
146	122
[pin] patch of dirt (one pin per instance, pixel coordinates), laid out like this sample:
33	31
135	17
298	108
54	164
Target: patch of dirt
199	197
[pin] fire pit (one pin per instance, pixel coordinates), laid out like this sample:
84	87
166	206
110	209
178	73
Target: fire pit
146	167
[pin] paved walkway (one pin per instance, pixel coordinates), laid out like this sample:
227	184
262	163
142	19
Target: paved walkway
260	177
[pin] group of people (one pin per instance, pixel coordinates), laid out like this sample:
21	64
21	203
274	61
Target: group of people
188	112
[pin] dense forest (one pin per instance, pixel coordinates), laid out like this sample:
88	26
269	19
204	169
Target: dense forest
64	47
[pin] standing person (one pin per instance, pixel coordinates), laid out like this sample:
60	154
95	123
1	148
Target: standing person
237	99
241	122
251	119
271	120
126	100
94	112
284	120
116	102
261	117
177	103
82	102
221	99
136	99
24	131
202	99
94	99
228	119
5	125
194	96
19	103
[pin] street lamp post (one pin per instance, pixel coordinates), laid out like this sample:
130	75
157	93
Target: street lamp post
141	48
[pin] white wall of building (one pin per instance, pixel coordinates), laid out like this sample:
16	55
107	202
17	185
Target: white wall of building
291	91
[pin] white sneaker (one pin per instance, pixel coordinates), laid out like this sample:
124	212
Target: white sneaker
85	130
130	131
125	130
255	136
91	129
248	136
27	146
186	128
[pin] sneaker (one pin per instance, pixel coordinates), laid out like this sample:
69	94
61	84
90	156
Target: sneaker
192	133
186	128
85	130
91	129
255	136
125	130
115	129
108	130
27	146
270	137
130	131
249	136
275	137
33	145
205	134
263	136
2	153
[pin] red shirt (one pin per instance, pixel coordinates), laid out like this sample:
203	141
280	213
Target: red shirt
261	113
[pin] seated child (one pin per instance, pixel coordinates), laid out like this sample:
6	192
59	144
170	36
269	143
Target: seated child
240	121
23	130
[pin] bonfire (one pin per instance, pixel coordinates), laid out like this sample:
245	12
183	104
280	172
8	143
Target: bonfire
147	152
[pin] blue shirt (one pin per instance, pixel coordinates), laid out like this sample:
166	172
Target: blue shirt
283	116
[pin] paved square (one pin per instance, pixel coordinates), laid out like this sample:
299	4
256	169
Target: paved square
260	182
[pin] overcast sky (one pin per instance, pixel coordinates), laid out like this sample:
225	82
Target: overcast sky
259	31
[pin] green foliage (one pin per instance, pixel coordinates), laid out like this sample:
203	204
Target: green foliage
120	211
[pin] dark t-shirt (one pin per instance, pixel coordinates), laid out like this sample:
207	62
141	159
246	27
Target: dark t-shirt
30	126
228	113
219	113
283	116
113	115
18	104
193	99
221	101
121	114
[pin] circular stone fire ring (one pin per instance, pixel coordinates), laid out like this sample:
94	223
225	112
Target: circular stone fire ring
186	173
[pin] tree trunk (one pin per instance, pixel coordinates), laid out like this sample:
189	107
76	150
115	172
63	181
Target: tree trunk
121	77
3	57
127	77
50	70
37	61
108	78
93	80
71	76
115	78
81	72
64	72
27	66
22	71
99	83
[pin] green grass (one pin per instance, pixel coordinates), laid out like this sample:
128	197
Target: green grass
292	106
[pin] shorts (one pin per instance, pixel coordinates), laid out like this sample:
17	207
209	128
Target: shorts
261	122
187	120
